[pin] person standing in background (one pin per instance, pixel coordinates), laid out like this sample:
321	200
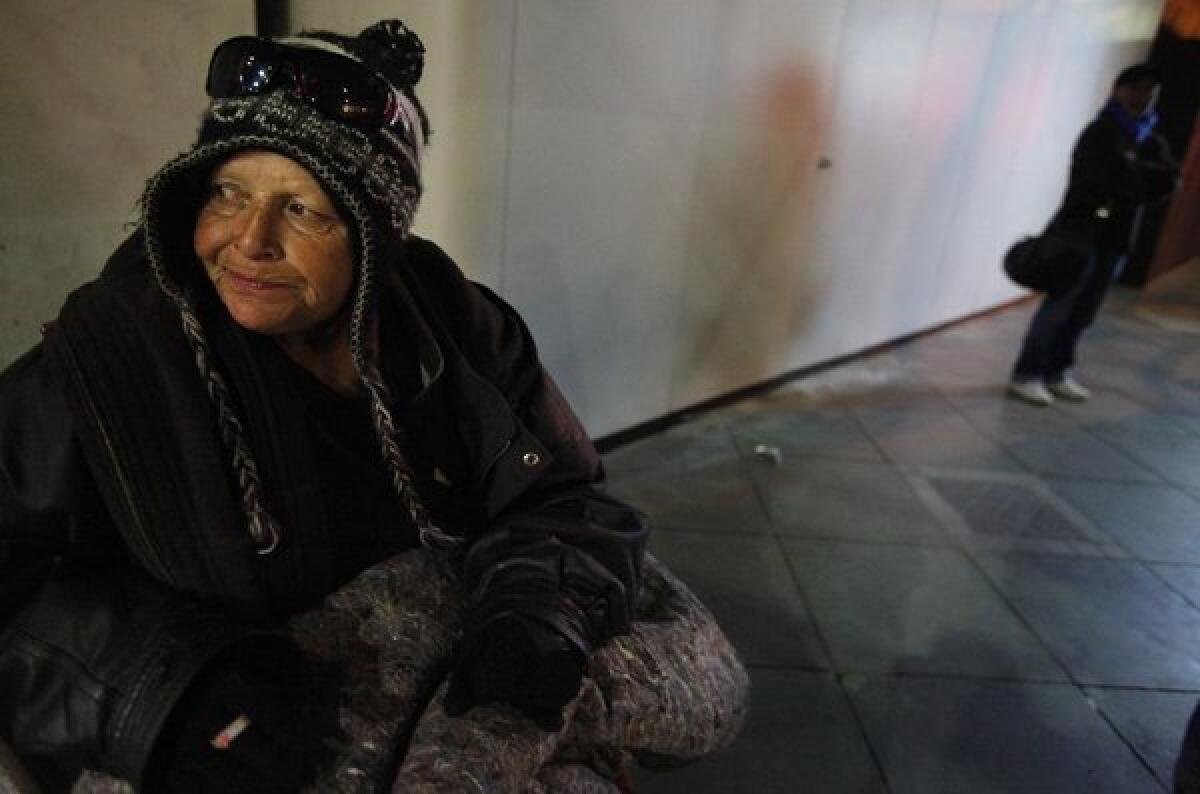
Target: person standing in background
1119	164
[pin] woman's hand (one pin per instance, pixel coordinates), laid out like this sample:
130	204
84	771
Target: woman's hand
249	725
519	661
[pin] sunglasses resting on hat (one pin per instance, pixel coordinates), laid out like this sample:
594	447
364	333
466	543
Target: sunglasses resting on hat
337	86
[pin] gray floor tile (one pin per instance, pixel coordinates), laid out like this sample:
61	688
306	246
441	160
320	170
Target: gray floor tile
1184	579
747	585
907	609
1179	402
1162	397
1151	722
1048	441
1153	522
1170	450
1121	345
815	432
1007	512
933	437
962	352
937	736
783	399
880	380
990	399
1189	422
801	737
907	484
1110	622
1076	454
717	497
1051	442
836	499
908	392
1118	378
1004	508
1103	408
690	445
1186	366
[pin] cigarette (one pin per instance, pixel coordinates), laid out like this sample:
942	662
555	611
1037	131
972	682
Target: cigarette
225	737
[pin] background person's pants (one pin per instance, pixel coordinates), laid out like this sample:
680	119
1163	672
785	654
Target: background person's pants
1049	348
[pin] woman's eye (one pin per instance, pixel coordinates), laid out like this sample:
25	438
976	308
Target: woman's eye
223	195
307	219
298	209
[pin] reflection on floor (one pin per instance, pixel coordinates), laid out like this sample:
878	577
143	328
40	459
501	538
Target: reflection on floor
938	589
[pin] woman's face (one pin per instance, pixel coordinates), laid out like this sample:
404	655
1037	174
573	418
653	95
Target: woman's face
273	245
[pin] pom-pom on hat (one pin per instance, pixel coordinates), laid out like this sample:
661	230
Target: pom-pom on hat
367	158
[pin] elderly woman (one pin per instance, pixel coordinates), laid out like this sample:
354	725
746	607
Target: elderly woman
276	420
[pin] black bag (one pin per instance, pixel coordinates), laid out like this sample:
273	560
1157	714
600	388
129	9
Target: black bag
1053	262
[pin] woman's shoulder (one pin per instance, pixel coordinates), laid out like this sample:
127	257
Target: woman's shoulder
481	322
428	262
125	283
128	257
439	281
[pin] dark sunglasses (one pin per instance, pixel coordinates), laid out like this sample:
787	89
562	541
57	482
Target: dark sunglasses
338	87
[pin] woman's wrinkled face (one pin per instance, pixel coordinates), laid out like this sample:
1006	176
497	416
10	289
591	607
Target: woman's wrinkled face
273	245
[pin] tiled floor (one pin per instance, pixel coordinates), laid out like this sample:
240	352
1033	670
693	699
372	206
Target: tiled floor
938	589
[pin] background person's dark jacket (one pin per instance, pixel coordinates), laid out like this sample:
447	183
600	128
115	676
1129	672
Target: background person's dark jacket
1112	177
124	563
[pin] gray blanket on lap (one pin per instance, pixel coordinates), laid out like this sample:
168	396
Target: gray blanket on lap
669	692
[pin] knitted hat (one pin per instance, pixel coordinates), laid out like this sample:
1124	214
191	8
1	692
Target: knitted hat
373	176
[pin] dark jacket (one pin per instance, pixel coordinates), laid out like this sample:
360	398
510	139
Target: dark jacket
124	565
1112	177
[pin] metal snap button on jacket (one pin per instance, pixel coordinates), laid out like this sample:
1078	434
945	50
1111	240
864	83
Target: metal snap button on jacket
531	459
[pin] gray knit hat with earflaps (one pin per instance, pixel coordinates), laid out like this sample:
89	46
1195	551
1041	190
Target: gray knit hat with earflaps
374	179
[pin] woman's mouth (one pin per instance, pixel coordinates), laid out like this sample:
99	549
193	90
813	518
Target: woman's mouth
252	284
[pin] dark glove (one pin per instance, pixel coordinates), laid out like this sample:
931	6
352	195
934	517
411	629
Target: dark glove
265	724
519	661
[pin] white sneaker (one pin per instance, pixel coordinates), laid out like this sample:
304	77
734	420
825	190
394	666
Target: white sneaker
1031	391
1069	389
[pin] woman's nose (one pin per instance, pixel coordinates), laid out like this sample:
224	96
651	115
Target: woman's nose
258	236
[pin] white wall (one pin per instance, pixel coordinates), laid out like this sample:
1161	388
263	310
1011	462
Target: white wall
640	177
95	97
